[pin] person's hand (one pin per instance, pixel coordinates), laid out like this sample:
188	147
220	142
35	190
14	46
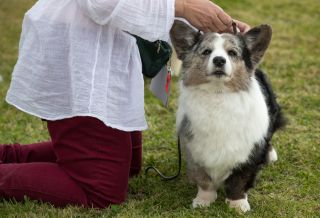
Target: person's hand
207	16
204	15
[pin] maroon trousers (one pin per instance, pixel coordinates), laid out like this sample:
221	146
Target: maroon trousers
86	163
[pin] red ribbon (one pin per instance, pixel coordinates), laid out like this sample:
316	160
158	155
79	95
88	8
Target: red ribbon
168	82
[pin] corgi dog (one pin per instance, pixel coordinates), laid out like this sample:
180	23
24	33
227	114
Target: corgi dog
227	111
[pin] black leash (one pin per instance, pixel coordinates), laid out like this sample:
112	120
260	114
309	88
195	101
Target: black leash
167	178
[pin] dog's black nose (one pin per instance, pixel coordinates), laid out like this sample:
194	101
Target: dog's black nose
219	61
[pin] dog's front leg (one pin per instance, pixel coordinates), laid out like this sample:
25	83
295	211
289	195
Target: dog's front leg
206	189
237	186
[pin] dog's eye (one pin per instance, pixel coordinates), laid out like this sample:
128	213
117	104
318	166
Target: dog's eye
232	53
206	52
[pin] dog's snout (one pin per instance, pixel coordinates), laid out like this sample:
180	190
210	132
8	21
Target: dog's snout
219	61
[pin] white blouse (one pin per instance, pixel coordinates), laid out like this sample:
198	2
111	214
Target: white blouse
76	58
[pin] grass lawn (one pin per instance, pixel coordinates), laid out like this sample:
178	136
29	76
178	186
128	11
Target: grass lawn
289	188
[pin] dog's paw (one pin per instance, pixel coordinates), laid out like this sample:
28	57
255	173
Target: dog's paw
272	156
204	198
199	202
241	205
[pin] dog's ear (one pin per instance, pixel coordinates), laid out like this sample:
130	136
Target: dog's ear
257	40
183	38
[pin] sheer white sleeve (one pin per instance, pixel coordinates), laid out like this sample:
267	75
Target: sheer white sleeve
149	19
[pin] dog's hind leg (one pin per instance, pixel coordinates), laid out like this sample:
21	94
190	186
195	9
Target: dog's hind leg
206	189
272	154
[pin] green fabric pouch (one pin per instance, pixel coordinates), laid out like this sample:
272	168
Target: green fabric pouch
154	55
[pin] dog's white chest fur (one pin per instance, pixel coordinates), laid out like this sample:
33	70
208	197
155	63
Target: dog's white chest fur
225	126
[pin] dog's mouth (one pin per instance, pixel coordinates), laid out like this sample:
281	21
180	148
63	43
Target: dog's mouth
218	73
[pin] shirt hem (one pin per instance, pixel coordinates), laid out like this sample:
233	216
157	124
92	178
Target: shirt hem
119	127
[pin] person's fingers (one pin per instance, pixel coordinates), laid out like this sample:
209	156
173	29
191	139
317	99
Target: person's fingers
224	18
206	30
212	28
207	26
242	26
218	23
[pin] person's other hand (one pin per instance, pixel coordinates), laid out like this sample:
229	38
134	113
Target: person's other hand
204	15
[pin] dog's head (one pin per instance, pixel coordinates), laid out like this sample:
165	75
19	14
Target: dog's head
225	61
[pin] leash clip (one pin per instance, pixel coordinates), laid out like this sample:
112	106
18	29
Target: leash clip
234	28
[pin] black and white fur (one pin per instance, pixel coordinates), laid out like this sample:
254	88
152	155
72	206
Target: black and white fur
227	111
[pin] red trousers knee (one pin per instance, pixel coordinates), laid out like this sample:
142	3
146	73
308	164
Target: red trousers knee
86	163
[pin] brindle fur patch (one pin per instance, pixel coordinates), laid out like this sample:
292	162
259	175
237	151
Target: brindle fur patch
195	76
240	79
185	129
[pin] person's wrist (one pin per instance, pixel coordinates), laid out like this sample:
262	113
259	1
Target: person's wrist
179	8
